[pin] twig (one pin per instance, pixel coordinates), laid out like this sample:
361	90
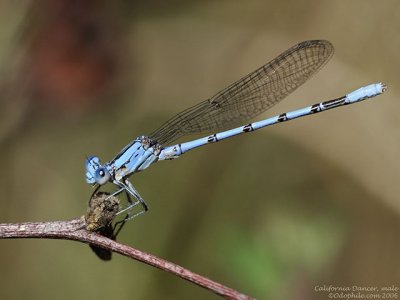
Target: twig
75	230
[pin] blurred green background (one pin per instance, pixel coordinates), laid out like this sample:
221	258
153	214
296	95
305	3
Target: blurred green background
272	214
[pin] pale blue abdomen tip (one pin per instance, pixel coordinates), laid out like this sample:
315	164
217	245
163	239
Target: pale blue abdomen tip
365	92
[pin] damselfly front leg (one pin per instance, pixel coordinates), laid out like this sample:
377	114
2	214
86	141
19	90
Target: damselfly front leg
131	191
120	224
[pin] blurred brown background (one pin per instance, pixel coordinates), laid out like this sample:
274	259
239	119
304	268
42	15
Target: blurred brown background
272	214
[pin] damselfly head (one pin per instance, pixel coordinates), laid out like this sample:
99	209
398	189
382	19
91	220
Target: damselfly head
95	172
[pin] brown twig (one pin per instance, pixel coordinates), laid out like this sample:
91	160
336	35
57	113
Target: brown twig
75	230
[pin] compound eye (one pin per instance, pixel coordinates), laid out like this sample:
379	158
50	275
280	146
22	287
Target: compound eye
102	175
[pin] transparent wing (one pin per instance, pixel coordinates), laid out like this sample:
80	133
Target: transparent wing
251	95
